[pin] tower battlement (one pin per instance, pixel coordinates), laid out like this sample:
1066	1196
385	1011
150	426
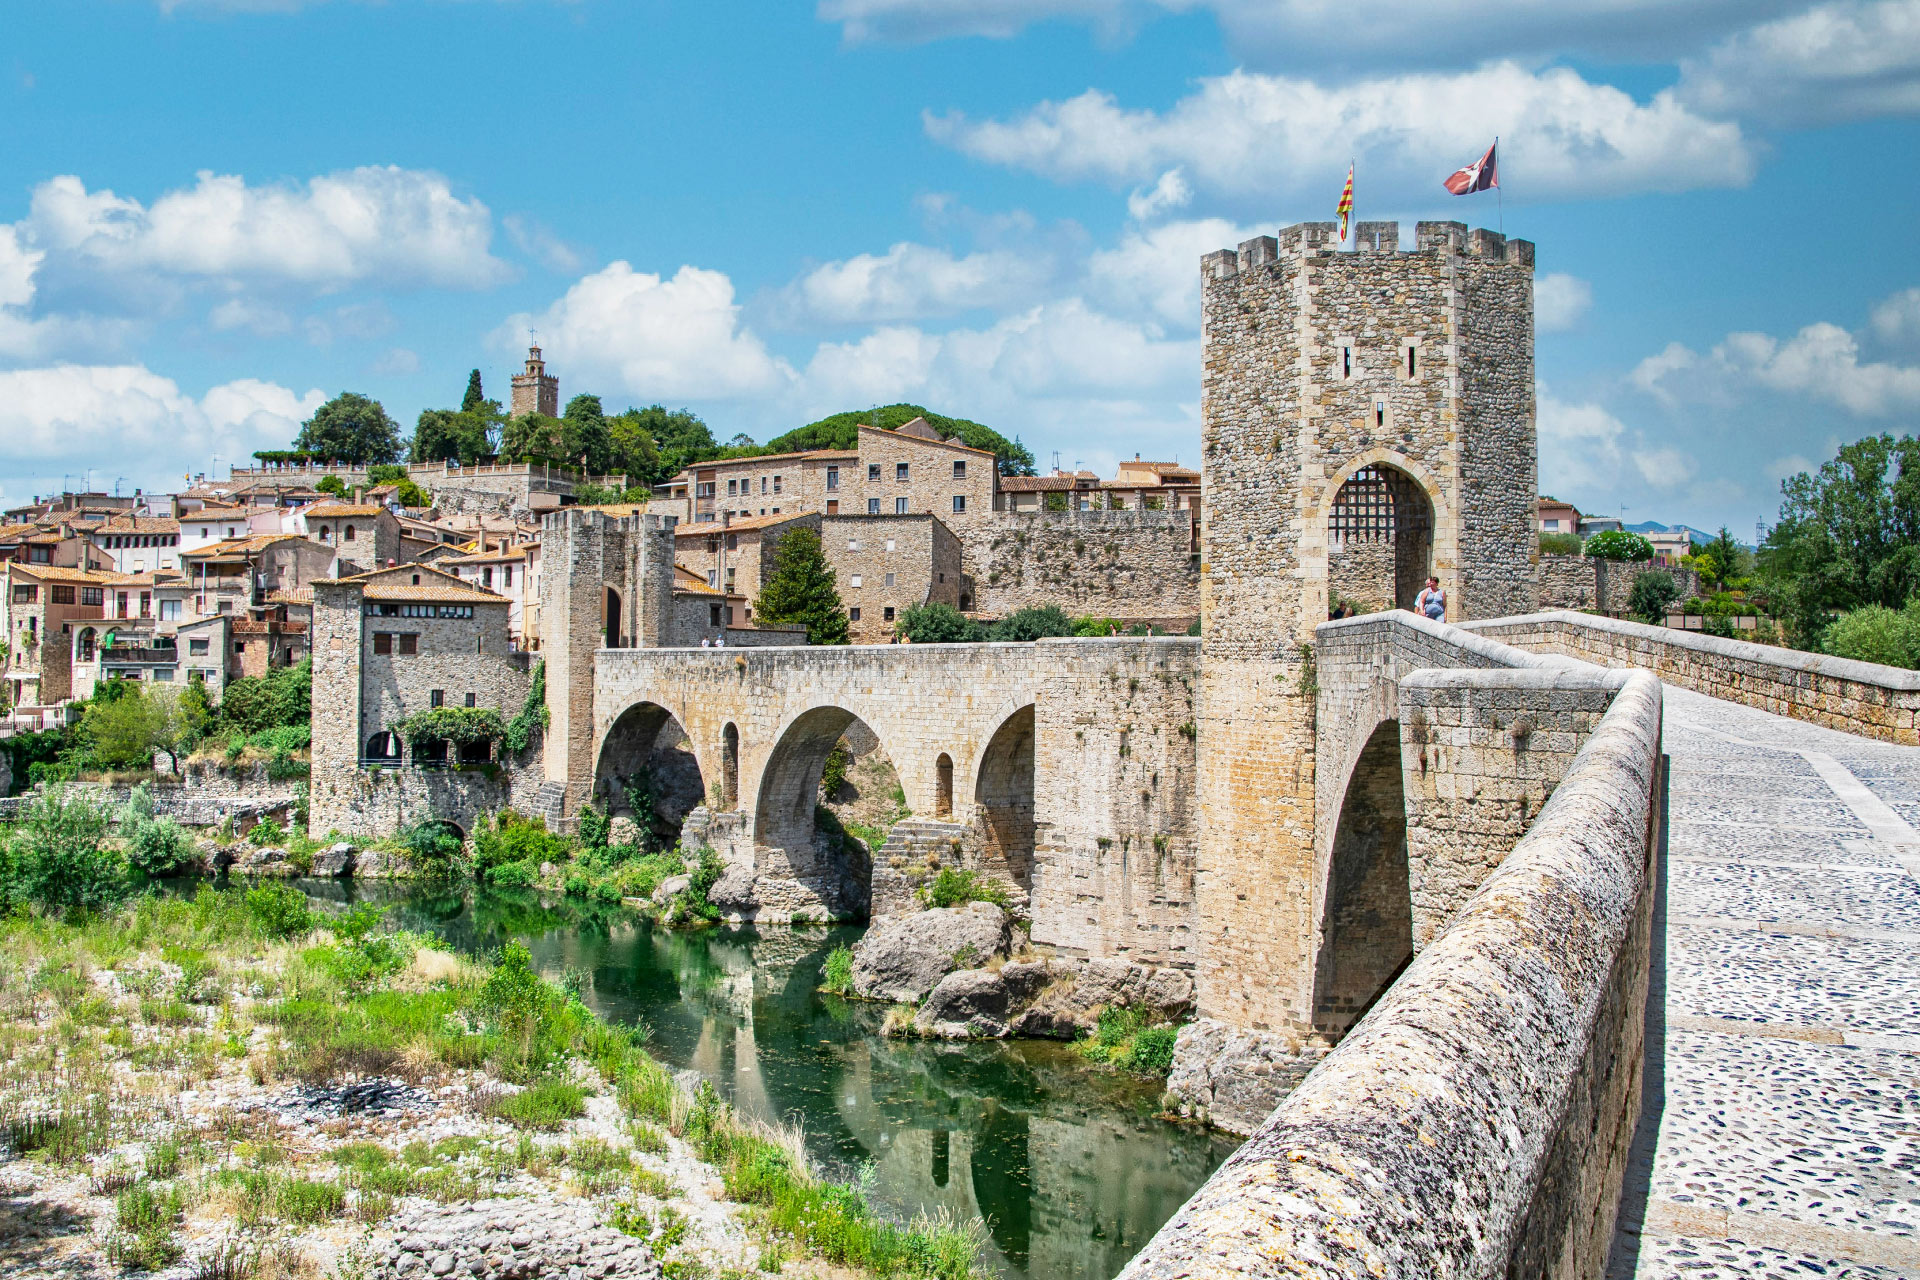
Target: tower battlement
1304	239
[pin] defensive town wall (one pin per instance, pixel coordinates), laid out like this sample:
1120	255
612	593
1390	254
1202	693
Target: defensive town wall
1130	564
1578	582
1855	697
1512	1047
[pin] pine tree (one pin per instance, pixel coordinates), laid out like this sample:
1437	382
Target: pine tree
475	397
801	592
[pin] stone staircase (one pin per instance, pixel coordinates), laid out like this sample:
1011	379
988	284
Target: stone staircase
550	803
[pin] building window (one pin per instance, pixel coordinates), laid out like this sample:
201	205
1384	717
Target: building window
733	488
26	595
713	577
382	643
326	534
889	580
891	544
470	700
60	595
854	581
409	643
833	507
169	611
733	542
506	575
239	646
486	577
900	472
853	614
887	613
197	645
899	506
959	468
776	484
853	544
163	673
436	697
873	506
703	490
93	595
959	503
1346	363
873	471
713	615
833	478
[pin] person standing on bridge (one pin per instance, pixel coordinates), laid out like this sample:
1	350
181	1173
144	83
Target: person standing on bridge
1432	601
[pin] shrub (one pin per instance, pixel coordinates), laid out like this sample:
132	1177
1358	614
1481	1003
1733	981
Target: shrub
508	838
836	976
56	859
1560	544
957	886
1652	593
266	832
1034	622
1124	1037
595	825
938	623
156	847
833	774
545	1105
281	698
1618	544
1876	634
280	911
434	848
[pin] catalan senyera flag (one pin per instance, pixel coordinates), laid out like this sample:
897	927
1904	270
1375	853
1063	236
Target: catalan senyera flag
1344	211
1478	176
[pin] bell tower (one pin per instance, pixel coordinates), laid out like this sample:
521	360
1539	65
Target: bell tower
535	391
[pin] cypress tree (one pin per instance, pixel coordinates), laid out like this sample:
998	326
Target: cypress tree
475	397
801	592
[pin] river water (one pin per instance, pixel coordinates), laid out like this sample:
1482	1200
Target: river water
1067	1166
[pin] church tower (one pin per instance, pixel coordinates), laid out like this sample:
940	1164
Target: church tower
534	391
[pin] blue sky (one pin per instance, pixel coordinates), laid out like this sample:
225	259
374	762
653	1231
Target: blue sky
215	213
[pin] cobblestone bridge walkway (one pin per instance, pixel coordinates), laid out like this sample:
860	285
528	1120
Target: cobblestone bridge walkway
1785	1073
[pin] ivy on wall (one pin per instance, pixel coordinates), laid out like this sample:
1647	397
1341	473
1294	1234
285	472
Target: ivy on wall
452	724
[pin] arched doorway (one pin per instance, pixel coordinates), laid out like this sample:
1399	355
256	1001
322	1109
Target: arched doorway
85	644
1367	936
1379	540
943	786
647	771
1003	796
802	845
382	748
613	619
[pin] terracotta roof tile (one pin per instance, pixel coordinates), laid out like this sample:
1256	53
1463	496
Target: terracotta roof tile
60	573
741	524
340	510
140	524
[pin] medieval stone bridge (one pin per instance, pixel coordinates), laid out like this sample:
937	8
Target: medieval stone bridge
1065	767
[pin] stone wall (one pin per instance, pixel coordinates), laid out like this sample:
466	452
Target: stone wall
203	796
1854	697
1576	582
897	562
1116	564
371	804
1512	1048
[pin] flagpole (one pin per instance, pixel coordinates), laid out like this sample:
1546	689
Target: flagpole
1500	194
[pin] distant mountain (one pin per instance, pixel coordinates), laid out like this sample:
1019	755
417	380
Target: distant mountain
1656	526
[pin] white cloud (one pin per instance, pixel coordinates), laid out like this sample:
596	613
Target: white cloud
257	318
668	339
910	282
1821	362
136	421
1156	270
1663	468
1171	192
17	266
1897	320
379	224
1352	32
1834	62
396	362
538	241
1560	301
1265	137
1580	445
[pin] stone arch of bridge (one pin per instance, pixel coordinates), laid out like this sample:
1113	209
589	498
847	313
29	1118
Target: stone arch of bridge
825	867
646	735
1366	905
1003	794
1422	545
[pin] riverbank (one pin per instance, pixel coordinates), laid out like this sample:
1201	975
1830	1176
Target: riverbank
234	1085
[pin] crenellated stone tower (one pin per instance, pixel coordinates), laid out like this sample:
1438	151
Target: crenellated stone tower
535	391
607	583
1367	419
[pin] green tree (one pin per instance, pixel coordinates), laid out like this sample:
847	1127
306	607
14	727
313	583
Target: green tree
350	428
584	435
476	396
57	859
1652	592
938	623
841	431
801	590
534	437
124	730
1848	536
1618	544
1719	561
410	494
333	485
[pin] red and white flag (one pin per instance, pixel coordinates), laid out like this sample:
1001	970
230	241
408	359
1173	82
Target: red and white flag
1478	176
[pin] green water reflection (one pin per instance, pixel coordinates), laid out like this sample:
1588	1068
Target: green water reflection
1069	1169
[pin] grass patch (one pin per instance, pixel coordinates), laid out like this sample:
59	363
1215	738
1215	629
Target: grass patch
836	976
957	886
547	1105
1127	1039
832	1220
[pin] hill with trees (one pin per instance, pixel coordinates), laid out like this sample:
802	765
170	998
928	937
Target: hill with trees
842	431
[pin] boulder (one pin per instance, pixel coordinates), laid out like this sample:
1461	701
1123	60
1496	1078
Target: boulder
664	891
623	831
903	958
1170	994
1025	979
969	1004
370	864
214	856
733	893
1114	982
336	860
1233	1078
266	861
